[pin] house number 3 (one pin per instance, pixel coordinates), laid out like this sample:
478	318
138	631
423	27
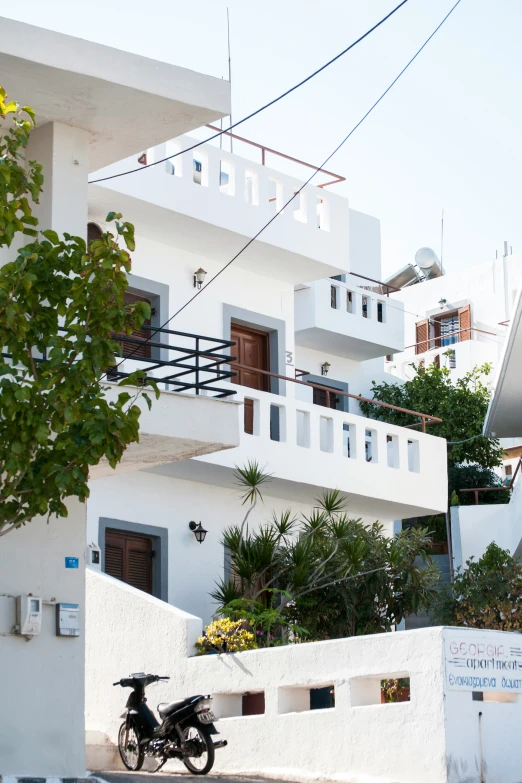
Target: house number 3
289	357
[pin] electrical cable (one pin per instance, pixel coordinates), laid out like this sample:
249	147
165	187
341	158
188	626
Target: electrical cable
297	192
262	108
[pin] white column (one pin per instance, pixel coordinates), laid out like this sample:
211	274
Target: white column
63	153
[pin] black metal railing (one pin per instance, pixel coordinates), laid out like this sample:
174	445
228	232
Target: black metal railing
197	365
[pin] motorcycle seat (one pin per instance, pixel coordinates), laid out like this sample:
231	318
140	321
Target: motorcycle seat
165	708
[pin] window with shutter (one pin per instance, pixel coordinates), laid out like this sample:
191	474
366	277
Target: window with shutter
464	323
129	558
422	336
134	348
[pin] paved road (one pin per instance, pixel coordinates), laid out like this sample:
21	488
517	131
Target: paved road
175	777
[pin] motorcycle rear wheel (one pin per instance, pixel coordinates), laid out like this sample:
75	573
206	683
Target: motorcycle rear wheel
201	737
131	752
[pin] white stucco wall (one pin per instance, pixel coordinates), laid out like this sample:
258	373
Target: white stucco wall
41	722
473	528
170	503
433	738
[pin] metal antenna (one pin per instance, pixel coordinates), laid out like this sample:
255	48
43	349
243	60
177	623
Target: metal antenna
230	77
442	243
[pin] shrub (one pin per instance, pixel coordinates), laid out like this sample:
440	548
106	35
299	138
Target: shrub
225	635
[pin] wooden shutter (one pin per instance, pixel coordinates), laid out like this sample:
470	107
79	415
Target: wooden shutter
325	398
422	336
129	558
464	323
137	350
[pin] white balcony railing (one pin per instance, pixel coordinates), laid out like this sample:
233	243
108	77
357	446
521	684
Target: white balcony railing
231	195
346	320
386	470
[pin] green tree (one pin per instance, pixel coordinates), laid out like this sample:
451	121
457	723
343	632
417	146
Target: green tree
461	405
60	304
323	572
486	594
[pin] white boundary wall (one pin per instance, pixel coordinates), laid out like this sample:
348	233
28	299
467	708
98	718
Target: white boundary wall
441	736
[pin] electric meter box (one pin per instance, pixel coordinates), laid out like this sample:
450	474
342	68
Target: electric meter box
67	619
28	615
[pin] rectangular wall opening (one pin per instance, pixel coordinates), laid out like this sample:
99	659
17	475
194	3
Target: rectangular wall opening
350	302
225	176
249	415
305	699
252	187
277	423
326	433
392	450
333	297
380	312
366	306
349	440
413	456
253	703
303	429
370	445
390	689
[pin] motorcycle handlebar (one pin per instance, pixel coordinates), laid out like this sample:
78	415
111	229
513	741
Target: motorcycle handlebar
127	680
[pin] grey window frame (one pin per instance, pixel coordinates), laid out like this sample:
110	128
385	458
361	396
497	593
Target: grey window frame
160	546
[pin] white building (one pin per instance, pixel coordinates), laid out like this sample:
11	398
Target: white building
475	527
85	98
459	320
291	322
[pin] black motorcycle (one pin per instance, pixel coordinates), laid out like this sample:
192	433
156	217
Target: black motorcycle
185	732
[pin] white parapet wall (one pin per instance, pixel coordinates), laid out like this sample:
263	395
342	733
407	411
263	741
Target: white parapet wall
442	735
474	527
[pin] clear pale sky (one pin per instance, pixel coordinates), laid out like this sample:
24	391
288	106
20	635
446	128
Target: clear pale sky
448	135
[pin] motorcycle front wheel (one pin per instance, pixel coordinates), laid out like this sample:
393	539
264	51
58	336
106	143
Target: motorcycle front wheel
199	749
131	752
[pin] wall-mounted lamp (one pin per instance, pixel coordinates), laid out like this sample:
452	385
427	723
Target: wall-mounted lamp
442	302
199	531
199	277
324	368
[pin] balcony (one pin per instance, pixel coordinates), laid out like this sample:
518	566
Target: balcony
349	321
458	358
384	471
211	202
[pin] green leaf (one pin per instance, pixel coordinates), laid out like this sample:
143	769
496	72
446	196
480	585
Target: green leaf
52	236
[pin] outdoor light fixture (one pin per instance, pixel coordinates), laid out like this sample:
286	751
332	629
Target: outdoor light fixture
199	277
324	368
199	531
442	302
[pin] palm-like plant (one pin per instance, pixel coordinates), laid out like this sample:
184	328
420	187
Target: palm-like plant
325	572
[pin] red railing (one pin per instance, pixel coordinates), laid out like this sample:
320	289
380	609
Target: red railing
265	149
443	337
425	418
508	487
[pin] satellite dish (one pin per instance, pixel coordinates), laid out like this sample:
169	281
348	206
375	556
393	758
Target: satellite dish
426	259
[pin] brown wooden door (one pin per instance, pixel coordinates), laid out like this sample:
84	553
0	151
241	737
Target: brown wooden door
129	557
325	398
252	351
137	350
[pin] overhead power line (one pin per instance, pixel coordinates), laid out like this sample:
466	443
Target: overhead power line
262	108
297	192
